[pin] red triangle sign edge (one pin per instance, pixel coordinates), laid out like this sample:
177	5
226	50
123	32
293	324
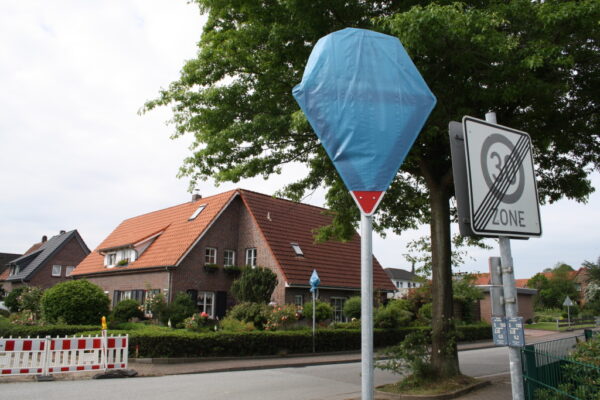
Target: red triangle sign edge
367	201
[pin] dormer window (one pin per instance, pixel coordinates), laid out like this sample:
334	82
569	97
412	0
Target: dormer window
297	249
121	257
197	212
110	259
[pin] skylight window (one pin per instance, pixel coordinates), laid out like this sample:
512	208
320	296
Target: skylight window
297	249
197	212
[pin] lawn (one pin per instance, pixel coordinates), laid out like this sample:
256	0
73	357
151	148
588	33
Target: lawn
551	326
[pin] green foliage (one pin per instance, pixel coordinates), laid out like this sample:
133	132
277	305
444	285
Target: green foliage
281	317
593	271
256	313
181	308
77	302
29	302
467	295
424	314
211	268
552	291
157	305
200	323
2	292
393	315
412	357
230	324
4	313
418	297
126	310
7	330
12	299
254	285
352	308
323	311
232	270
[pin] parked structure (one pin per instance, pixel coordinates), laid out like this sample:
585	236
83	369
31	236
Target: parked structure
402	280
524	298
46	263
176	250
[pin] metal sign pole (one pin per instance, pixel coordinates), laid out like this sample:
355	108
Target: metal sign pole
510	304
366	294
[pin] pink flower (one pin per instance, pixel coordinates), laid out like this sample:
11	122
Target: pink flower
204	314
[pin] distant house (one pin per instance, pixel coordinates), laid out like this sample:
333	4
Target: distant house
524	297
403	281
46	263
168	251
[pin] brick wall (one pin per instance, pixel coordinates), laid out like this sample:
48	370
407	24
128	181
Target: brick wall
70	254
525	306
136	281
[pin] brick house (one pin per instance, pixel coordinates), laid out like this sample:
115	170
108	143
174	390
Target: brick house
167	250
525	298
46	263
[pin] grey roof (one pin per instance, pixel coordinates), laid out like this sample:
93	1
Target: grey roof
397	273
31	262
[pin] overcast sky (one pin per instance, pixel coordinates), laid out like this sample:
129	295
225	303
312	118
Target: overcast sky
74	153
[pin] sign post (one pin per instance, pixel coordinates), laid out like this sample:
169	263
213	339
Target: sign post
314	284
367	103
568	303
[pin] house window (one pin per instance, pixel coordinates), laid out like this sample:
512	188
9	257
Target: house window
210	255
68	270
299	300
14	270
110	259
398	284
197	212
297	249
337	303
229	257
251	257
119	295
56	270
206	303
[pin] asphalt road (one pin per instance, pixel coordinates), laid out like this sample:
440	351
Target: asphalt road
332	382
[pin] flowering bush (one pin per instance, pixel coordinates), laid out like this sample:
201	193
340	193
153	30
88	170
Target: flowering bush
281	317
200	323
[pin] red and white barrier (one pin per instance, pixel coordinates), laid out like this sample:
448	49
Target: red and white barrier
44	356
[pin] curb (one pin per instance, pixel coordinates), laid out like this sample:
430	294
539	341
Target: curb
379	395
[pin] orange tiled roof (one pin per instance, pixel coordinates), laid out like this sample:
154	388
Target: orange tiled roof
283	222
482	279
4	274
177	237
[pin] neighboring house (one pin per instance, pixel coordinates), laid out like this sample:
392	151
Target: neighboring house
46	263
524	298
166	251
5	258
403	281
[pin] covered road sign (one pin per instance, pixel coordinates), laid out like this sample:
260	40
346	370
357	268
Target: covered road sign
503	198
367	103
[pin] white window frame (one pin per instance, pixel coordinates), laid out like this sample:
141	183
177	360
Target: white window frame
57	270
197	212
228	258
111	259
69	270
299	300
338	313
251	256
210	255
206	303
297	249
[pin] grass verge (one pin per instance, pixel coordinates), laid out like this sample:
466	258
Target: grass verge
551	326
431	386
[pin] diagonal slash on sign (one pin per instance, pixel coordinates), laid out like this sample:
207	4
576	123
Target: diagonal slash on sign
497	191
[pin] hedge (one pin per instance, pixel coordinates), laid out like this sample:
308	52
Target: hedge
43	331
181	343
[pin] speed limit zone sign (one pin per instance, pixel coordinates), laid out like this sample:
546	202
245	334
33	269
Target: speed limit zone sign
502	190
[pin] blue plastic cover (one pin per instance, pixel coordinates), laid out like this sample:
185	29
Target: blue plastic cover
367	103
314	281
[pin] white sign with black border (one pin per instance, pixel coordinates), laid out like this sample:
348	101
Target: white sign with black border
503	196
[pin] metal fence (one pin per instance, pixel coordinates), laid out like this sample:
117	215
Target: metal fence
549	373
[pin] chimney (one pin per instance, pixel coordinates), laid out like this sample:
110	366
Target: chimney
196	197
63	232
44	239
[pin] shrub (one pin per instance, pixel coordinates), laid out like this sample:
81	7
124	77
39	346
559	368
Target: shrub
200	323
322	313
424	314
157	305
232	270
30	300
11	301
352	307
235	325
4	313
46	330
393	315
254	285
281	317
126	310
257	313
76	302
181	308
412	356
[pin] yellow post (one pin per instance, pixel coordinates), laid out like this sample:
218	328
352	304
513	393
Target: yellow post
103	323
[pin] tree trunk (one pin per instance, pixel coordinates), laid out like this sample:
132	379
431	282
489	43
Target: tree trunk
444	358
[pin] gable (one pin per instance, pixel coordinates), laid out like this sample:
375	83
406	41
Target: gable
284	223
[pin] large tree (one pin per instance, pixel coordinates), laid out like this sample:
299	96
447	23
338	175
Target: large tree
534	63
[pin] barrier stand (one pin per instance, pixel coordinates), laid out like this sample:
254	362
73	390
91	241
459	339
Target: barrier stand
103	362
